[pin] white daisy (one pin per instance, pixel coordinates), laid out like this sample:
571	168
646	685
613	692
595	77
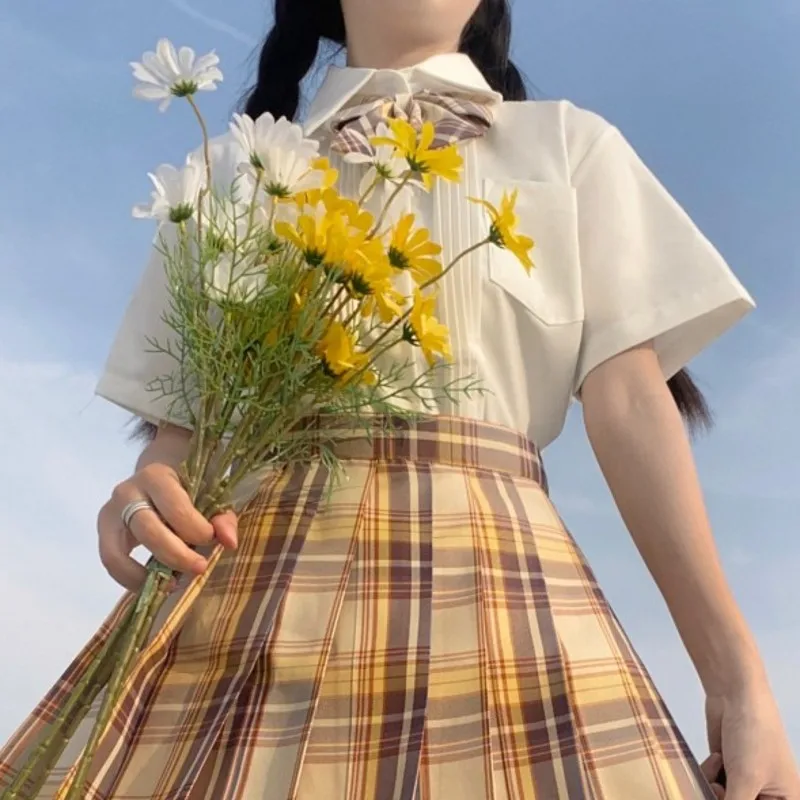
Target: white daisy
386	168
175	194
168	73
278	151
238	277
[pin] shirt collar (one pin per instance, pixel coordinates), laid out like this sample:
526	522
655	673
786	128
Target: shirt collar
446	73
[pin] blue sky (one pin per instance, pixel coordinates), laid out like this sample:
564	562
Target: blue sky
706	91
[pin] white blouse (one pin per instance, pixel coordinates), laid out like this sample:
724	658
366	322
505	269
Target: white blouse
618	262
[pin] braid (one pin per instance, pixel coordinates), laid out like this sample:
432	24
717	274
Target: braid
143	431
690	401
487	41
286	57
289	53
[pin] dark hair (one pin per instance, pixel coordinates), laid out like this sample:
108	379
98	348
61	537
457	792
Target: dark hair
300	26
291	49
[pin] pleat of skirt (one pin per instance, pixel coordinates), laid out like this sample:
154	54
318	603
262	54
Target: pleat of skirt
428	631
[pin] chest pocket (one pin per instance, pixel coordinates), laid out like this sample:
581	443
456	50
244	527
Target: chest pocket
548	214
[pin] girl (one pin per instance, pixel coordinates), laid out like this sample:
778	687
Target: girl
433	631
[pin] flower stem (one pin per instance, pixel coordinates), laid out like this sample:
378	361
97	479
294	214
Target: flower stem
207	159
386	331
392	197
336	295
267	438
341	307
463	254
206	147
150	595
353	314
51	755
251	214
373	360
198	455
369	190
41	760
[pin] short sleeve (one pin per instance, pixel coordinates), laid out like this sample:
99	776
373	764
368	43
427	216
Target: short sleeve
647	272
132	366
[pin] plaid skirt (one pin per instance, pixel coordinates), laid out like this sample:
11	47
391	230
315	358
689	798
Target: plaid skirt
429	631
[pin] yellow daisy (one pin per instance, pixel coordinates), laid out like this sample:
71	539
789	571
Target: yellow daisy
356	216
443	162
332	202
319	237
329	229
423	330
329	174
384	302
414	251
503	231
337	349
369	280
363	257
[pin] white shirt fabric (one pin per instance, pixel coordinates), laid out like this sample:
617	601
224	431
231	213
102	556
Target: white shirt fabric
618	262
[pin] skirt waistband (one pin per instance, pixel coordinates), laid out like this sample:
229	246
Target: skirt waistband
453	441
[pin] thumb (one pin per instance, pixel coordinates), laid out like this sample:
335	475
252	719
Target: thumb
225	529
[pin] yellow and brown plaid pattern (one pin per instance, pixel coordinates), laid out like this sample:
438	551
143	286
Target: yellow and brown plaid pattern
455	119
429	632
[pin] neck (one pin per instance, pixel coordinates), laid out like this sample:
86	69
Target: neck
372	55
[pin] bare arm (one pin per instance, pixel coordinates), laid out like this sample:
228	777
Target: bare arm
169	446
643	451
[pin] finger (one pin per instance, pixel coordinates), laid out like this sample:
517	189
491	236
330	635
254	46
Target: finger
151	532
719	792
163	487
225	527
741	788
711	766
115	545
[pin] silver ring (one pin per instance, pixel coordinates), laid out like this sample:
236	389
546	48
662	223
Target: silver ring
134	508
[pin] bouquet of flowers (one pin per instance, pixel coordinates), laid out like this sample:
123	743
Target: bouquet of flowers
286	311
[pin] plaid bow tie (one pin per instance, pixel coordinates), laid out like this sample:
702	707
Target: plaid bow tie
455	119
